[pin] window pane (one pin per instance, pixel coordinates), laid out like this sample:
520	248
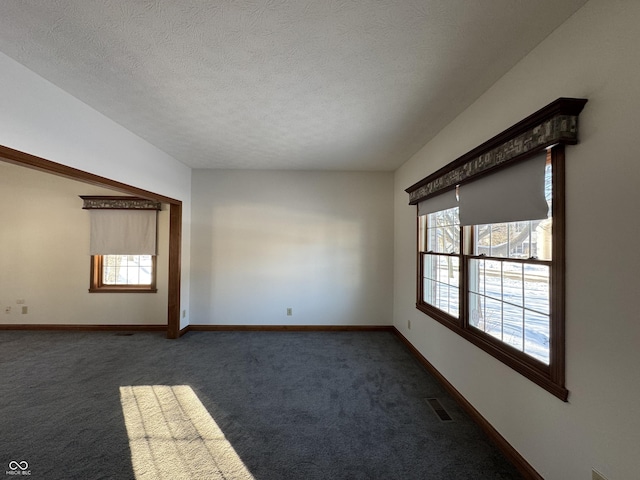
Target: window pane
513	326
536	288
519	239
431	239
448	269
442	297
483	240
510	301
443	231
430	268
476	311
476	276
127	269
493	279
111	271
499	240
441	280
512	285
145	275
450	234
438	245
429	292
132	275
453	270
493	318
454	301
536	335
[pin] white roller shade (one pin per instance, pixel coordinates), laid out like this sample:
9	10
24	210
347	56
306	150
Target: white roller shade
443	201
513	194
123	232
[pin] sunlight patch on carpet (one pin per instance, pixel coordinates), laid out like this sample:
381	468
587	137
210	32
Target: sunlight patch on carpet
172	436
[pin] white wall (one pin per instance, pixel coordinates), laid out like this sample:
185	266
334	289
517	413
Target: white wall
594	55
45	260
320	243
39	118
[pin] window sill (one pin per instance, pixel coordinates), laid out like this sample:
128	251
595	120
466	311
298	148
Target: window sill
532	369
126	289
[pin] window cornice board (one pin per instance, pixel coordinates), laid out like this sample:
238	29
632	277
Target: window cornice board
557	123
118	202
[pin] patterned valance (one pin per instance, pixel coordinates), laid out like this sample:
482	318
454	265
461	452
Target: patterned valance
92	202
557	123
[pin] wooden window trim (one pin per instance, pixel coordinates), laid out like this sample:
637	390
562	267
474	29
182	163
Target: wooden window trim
498	153
551	377
97	286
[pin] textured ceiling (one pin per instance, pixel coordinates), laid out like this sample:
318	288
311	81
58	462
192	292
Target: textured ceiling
287	84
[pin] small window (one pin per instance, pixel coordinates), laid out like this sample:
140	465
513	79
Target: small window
123	273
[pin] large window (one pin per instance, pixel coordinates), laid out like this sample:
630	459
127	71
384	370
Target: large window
491	237
494	281
508	278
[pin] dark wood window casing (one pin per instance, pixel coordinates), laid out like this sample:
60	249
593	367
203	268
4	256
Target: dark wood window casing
551	128
98	286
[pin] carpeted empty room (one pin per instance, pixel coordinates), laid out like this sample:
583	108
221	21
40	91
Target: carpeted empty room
214	405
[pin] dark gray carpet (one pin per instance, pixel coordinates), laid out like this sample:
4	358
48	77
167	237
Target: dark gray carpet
319	405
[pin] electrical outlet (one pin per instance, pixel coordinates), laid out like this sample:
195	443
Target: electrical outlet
20	301
289	312
596	475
